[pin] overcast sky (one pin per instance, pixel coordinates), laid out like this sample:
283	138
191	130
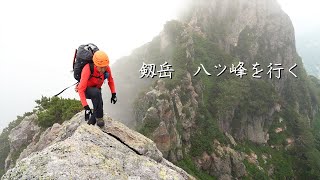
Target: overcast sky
38	39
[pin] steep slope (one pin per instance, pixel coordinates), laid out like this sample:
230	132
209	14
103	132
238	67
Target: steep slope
257	31
192	117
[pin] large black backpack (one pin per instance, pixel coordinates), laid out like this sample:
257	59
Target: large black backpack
82	56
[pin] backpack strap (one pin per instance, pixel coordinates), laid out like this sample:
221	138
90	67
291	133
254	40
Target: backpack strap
91	68
91	71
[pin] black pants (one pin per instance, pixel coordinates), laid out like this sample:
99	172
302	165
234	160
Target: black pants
94	94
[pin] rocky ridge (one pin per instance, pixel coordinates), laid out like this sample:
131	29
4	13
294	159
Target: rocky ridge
77	150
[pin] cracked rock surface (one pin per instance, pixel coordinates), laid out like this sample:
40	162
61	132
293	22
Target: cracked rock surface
88	152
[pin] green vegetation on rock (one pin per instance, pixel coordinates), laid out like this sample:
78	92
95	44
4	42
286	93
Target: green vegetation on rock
56	110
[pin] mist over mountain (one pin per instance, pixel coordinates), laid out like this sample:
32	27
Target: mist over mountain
308	45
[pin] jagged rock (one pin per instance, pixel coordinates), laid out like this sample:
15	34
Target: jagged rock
233	142
21	136
271	170
219	150
45	139
290	143
134	140
161	87
179	154
220	167
264	157
162	139
24	132
253	158
254	31
8	162
151	114
278	130
178	104
87	152
172	157
225	177
152	95
238	168
165	110
168	107
278	109
176	145
290	140
255	130
205	161
54	134
223	163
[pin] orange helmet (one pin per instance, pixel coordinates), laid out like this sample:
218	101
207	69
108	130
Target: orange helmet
100	59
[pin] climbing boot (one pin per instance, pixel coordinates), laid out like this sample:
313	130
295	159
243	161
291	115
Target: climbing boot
100	122
92	120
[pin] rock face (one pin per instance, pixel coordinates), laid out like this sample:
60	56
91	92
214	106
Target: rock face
75	150
20	137
52	135
254	31
249	31
224	163
171	110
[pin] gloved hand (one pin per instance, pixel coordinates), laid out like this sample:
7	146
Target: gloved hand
87	113
76	88
113	98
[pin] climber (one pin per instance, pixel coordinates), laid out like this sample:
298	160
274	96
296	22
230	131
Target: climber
90	84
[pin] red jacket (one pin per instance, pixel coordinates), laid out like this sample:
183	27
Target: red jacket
95	81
